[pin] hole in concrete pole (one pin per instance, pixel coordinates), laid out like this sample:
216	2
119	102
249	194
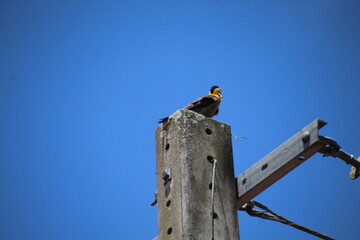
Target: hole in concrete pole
210	186
215	215
208	131
167	146
169	231
210	159
264	167
168	203
243	181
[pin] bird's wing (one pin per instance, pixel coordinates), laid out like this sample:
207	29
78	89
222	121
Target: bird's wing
201	103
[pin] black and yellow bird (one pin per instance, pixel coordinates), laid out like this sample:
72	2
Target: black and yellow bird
207	105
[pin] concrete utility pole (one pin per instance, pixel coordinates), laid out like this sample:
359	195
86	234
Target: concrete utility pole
186	147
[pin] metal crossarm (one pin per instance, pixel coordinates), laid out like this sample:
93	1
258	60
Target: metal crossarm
288	156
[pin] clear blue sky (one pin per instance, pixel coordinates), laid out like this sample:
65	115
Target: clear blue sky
83	84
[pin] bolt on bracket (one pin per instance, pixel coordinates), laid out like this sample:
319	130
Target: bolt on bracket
333	149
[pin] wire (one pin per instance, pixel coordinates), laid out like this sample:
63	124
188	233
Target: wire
249	208
239	138
213	198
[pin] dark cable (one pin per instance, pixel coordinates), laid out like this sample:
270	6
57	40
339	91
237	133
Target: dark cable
249	208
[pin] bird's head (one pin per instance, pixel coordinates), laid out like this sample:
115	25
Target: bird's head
215	91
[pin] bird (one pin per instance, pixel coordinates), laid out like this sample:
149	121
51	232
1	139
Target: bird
207	105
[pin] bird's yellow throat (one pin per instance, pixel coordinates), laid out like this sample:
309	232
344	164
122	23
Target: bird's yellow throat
216	93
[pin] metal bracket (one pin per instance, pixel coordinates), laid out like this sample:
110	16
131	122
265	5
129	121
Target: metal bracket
166	176
333	149
155	199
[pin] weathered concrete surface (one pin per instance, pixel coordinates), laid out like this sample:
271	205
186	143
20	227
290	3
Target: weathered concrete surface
183	146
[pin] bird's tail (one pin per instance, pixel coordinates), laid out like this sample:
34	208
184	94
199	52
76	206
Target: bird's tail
163	119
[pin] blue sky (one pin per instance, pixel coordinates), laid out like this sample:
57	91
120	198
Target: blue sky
83	84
